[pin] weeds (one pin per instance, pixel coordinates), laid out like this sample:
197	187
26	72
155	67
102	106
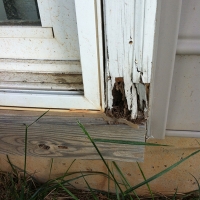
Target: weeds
19	185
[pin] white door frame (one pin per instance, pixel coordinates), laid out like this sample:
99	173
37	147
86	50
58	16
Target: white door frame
56	39
91	57
166	37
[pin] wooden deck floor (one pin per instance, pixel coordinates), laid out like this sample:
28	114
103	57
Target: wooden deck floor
57	134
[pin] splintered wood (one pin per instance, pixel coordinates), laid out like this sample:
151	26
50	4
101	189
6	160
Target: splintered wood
130	29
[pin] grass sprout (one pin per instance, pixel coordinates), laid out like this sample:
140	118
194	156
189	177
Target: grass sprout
20	185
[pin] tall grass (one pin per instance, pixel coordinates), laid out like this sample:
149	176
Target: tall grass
22	186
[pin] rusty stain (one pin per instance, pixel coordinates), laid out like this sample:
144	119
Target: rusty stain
130	42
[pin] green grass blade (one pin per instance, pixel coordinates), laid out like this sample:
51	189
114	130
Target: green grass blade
174	196
117	192
22	193
12	166
93	194
127	187
127	142
116	188
66	190
26	140
51	165
160	173
91	140
197	183
145	180
53	184
38	118
108	195
65	174
123	177
25	152
188	196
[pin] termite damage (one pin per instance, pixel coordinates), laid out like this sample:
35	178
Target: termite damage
119	107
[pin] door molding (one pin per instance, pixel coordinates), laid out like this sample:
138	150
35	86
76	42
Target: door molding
166	37
91	59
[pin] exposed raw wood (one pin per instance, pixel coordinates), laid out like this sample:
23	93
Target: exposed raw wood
57	135
26	31
130	29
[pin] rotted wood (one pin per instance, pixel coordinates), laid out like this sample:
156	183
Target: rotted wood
57	134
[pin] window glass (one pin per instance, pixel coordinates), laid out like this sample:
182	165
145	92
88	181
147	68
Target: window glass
19	12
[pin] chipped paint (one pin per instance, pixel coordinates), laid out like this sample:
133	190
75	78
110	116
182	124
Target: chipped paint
129	37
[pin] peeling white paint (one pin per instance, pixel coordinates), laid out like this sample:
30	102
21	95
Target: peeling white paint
129	29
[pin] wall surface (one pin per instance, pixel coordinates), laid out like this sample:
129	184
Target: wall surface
156	160
184	102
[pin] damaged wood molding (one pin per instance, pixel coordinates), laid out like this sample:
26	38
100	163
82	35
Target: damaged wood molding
57	134
129	33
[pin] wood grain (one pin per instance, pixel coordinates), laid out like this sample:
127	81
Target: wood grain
57	135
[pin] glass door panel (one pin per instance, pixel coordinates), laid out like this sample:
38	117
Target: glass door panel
19	12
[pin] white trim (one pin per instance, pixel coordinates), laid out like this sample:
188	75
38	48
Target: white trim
88	43
188	46
168	18
44	11
45	101
64	44
176	133
48	66
101	55
26	32
91	57
48	49
130	29
145	13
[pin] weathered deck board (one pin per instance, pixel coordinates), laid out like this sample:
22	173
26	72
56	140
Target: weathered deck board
58	135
